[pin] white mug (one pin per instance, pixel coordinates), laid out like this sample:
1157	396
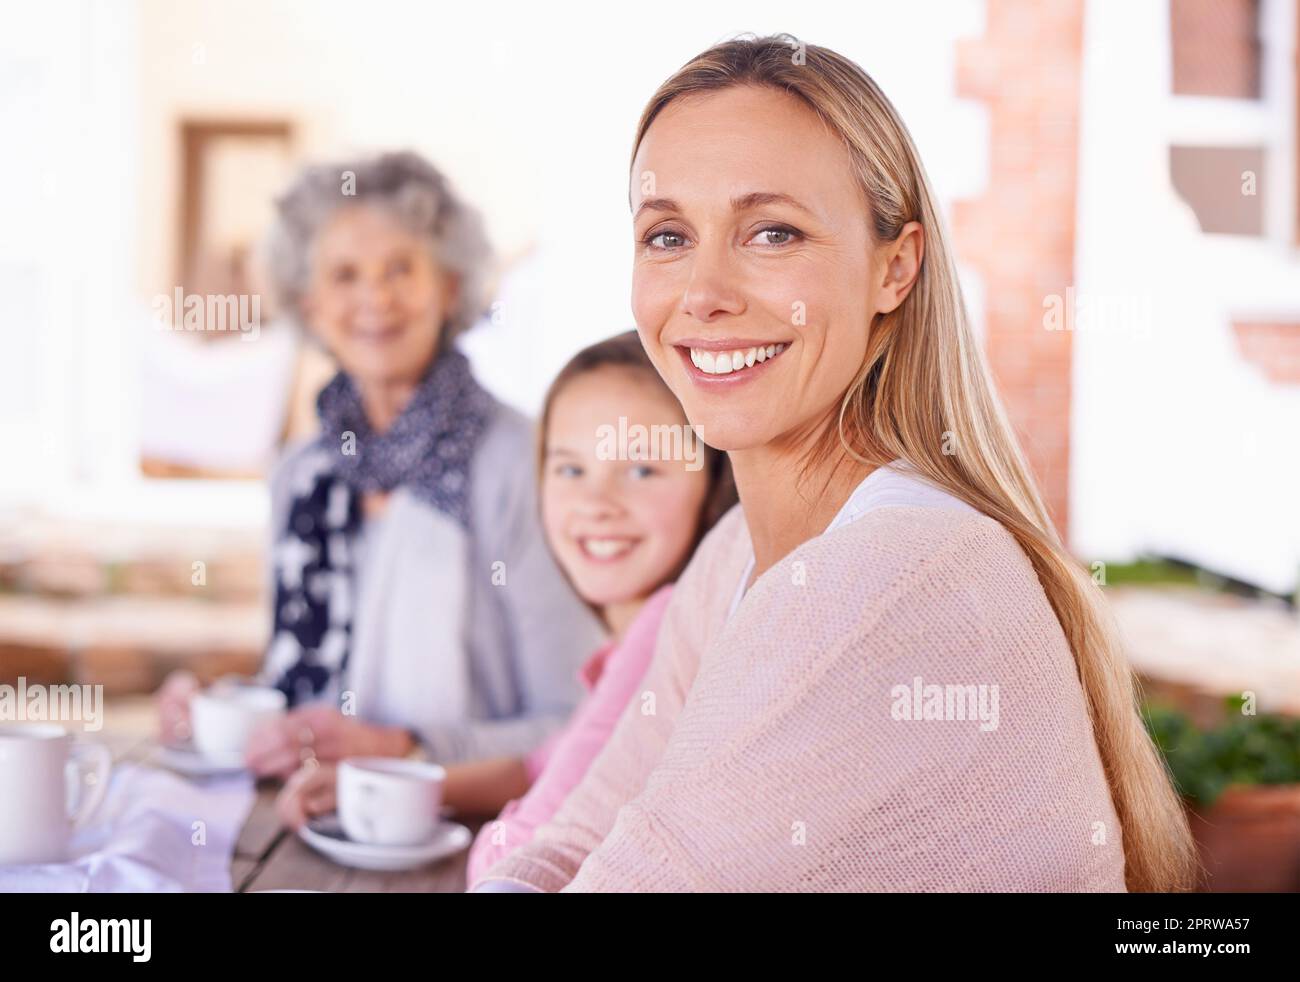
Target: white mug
49	786
225	715
386	801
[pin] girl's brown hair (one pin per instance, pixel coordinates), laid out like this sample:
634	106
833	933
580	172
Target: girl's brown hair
924	394
624	351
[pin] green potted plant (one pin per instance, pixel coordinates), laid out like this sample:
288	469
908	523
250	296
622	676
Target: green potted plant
1241	782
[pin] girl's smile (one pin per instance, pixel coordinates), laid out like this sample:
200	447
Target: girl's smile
619	523
606	549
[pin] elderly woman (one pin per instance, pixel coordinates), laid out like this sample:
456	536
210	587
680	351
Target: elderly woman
416	603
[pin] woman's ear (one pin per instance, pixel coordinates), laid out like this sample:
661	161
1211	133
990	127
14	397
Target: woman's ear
452	290
305	310
901	264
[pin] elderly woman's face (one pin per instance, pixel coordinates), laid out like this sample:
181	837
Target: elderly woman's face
377	299
753	261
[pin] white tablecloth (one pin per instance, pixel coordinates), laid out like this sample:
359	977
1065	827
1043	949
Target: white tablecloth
154	832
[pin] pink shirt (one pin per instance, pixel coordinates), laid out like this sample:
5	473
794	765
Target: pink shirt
611	676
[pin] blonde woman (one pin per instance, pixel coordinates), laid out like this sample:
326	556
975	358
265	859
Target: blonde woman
882	671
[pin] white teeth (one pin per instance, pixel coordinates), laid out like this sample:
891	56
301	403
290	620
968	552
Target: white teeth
726	362
606	548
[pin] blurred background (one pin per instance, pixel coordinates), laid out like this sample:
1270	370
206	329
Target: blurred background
1122	183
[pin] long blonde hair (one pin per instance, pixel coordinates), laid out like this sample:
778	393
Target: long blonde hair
924	394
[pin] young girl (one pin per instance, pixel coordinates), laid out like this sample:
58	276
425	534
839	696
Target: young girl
622	524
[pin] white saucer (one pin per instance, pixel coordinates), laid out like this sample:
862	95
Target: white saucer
186	759
326	836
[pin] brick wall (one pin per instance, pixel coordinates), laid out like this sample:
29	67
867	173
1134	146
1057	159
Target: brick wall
1020	234
1273	348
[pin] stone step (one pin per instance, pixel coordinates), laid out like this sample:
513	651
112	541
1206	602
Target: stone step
86	559
1194	647
127	644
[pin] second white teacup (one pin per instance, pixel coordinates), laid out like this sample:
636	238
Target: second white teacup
225	715
386	801
49	787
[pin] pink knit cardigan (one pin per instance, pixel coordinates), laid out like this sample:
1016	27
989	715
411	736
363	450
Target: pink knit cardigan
611	676
814	740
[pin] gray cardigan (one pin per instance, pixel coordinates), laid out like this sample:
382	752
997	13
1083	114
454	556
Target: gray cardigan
473	641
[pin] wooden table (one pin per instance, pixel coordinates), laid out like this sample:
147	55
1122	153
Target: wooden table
269	857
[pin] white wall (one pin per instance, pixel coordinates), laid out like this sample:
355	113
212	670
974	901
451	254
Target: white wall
1179	445
67	243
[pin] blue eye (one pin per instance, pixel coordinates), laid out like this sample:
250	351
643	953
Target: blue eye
641	471
567	470
665	240
777	235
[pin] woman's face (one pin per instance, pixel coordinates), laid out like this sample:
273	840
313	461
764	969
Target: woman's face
619	528
752	282
376	297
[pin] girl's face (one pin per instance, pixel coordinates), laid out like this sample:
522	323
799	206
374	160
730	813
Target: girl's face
755	279
619	528
376	298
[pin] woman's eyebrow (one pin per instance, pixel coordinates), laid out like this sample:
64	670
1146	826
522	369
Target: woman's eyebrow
655	204
744	202
756	198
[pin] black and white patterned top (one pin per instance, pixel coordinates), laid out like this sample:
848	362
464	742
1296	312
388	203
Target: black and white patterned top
428	450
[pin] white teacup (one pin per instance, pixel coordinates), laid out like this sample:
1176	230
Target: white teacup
225	715
386	801
49	786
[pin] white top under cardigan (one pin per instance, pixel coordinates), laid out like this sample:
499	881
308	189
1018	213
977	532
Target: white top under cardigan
893	484
473	641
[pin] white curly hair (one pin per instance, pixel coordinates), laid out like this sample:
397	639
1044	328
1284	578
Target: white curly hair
408	187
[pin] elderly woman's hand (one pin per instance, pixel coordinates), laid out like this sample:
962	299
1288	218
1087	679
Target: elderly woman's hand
311	791
320	733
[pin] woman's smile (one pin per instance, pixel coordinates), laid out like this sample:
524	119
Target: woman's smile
377	334
726	361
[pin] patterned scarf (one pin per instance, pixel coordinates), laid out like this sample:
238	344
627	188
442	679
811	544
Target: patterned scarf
428	450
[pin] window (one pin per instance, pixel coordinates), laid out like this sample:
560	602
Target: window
1216	48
